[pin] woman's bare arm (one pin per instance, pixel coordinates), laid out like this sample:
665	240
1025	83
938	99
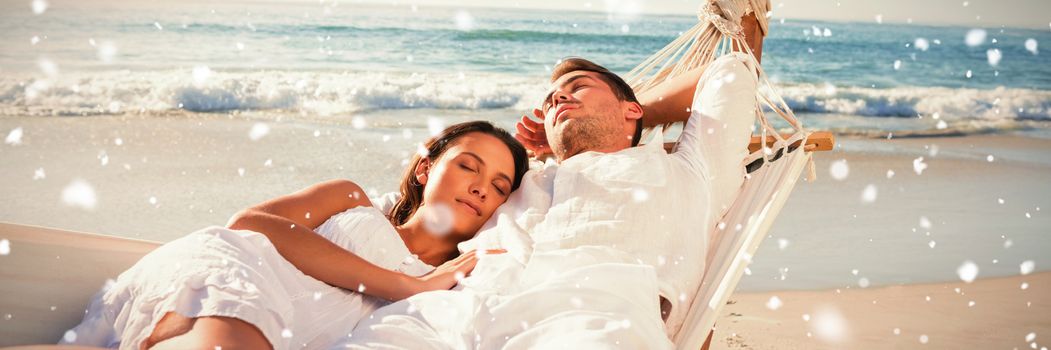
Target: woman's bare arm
289	222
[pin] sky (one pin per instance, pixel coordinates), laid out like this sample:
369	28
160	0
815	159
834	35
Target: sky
976	13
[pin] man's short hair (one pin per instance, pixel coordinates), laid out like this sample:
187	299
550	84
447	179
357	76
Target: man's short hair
620	88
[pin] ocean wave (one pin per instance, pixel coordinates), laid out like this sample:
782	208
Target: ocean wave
321	93
950	104
330	93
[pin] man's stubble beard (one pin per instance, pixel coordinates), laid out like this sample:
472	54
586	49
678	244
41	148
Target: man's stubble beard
579	135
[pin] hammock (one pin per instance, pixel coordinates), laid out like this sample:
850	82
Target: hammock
773	168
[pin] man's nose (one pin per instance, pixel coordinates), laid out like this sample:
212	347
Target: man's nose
560	96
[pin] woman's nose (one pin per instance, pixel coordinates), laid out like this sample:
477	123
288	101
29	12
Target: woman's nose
478	190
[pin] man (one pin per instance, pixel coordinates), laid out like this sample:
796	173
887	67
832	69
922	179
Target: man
607	244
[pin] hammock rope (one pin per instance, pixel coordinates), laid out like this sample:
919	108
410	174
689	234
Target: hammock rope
765	190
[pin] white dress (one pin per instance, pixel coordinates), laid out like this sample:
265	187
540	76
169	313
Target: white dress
221	272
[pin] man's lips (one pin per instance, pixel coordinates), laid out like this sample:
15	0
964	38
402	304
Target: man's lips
561	111
472	206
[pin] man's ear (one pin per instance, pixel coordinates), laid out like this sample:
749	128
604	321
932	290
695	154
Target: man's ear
423	168
632	111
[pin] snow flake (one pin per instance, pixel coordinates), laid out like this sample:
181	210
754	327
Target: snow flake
435	125
14	137
39	6
258	131
464	21
829	325
897	64
990	158
918	165
70	336
201	74
438	219
863	282
1027	267
106	51
967	271
286	333
975	37
924	339
839	169
921	44
79	193
5	247
774	303
358	123
869	194
640	195
925	222
39	174
994	56
782	243
1030	45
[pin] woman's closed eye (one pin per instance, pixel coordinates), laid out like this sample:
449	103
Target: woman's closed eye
464	166
500	190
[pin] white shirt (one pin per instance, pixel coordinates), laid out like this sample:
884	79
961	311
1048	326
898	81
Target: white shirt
656	206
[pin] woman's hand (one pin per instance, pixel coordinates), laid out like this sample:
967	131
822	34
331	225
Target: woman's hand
448	274
532	134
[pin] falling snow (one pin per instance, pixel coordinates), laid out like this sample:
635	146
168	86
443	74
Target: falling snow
774	303
967	271
839	169
994	56
919	166
869	194
1030	45
258	131
79	193
39	6
14	137
1027	267
975	37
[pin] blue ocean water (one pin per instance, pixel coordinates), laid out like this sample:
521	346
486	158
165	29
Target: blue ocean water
332	59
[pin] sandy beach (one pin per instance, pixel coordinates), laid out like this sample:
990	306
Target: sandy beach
996	313
871	261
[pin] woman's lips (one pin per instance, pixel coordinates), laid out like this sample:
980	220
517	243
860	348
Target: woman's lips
471	207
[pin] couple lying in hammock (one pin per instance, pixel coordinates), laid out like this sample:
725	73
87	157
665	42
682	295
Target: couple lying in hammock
602	248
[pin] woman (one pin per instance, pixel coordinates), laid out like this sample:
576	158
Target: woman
295	271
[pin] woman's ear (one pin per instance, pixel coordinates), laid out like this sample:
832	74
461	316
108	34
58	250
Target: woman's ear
422	169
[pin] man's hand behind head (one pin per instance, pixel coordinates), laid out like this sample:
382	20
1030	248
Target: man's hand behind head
532	135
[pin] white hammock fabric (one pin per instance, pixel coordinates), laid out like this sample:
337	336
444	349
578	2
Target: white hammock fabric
765	189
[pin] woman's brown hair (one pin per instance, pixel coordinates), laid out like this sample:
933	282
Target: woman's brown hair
412	190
